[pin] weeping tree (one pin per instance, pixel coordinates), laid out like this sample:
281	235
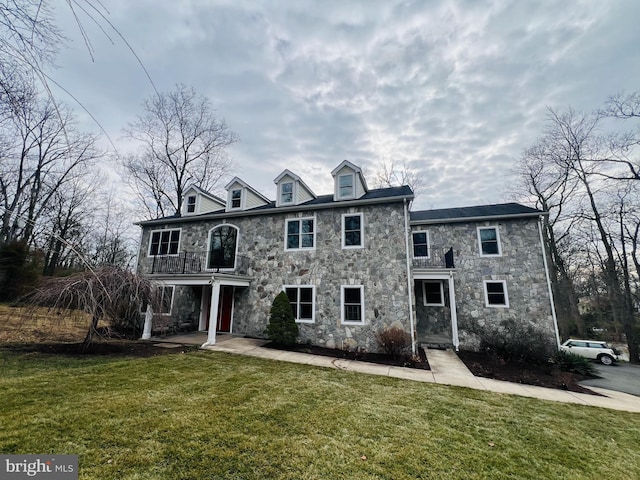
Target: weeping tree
110	294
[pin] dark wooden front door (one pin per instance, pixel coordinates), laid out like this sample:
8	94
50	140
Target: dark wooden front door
225	309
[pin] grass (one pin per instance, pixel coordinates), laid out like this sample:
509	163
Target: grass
209	415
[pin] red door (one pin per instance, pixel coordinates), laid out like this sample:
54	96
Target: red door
225	308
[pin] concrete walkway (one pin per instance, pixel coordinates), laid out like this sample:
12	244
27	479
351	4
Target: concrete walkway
446	369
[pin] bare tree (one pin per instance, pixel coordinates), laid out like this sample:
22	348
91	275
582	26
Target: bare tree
543	182
182	142
110	294
393	173
580	151
43	153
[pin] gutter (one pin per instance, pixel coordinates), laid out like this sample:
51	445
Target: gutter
409	294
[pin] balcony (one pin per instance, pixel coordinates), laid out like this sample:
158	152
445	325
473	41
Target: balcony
196	262
439	257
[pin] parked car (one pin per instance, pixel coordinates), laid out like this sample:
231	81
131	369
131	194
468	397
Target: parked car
593	349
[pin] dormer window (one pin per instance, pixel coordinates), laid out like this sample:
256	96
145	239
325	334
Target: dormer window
286	193
345	186
191	204
236	198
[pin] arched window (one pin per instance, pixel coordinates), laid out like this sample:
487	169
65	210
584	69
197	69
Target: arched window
222	247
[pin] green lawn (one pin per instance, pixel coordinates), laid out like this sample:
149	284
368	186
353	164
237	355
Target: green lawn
206	415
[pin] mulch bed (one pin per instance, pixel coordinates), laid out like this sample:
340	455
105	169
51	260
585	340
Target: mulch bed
380	358
482	365
108	348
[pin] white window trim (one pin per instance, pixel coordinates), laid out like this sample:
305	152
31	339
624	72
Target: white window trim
353	186
362	310
428	243
300	249
353	247
294	191
235	258
195	204
149	254
489	227
162	288
486	294
242	198
424	293
313	301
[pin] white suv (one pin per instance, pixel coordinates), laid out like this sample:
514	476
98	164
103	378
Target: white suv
593	349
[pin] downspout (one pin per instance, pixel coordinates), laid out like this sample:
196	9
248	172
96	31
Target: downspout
410	295
546	272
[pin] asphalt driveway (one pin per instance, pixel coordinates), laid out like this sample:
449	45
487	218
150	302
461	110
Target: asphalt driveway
622	377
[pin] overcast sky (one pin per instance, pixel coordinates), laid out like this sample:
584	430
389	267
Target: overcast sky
455	88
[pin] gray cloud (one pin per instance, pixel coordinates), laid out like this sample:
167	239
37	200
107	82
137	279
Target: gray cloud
456	88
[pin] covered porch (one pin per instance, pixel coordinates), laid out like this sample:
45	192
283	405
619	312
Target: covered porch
197	299
435	304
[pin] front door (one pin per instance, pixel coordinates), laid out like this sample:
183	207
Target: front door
433	312
225	309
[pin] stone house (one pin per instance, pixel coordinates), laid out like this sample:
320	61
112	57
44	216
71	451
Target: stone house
352	263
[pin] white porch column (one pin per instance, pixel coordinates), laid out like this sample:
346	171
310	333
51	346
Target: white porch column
213	312
454	313
148	320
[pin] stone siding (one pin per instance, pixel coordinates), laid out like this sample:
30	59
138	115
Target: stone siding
521	265
380	267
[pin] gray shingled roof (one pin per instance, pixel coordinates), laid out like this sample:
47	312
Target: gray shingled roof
387	194
500	210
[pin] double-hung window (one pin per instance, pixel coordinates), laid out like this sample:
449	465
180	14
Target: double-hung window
165	299
164	242
489	241
236	198
301	299
352	304
352	233
300	234
495	293
191	204
345	185
420	244
286	193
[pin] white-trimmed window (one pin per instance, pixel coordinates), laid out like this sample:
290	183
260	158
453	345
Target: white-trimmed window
495	293
352	304
352	230
420	244
300	234
286	193
165	299
433	293
164	242
489	241
346	185
302	300
191	204
236	198
223	246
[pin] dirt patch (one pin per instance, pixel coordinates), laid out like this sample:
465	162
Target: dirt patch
419	361
482	365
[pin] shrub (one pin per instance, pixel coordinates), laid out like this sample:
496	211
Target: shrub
514	342
570	362
282	327
394	341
